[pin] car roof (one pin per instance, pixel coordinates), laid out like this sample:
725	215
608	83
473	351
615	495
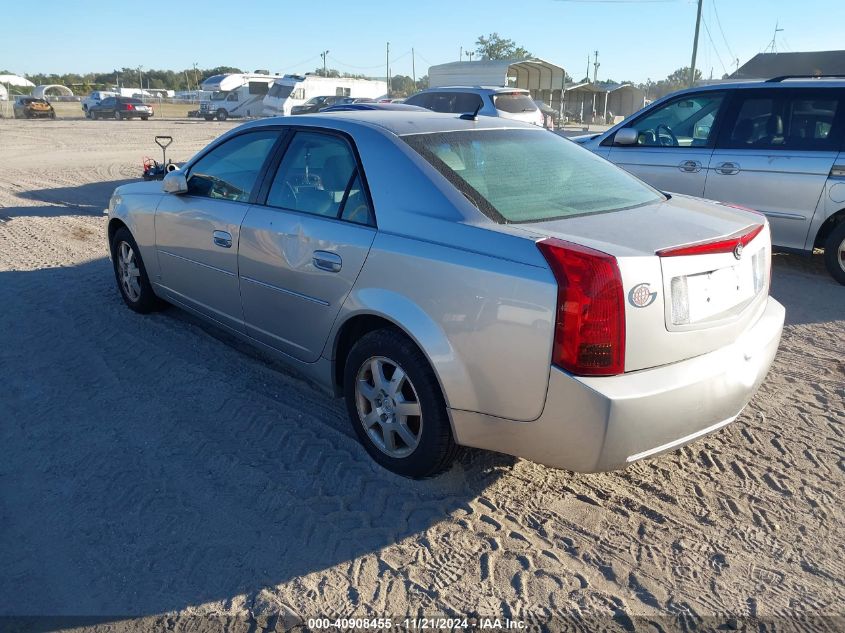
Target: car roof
493	89
400	123
765	85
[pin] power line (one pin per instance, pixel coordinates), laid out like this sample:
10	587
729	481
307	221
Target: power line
719	23
713	44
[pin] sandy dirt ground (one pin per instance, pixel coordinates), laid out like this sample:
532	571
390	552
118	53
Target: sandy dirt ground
150	466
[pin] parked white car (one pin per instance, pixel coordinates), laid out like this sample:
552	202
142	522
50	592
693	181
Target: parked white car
508	103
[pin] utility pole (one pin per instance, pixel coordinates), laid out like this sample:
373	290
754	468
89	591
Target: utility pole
413	68
469	54
387	68
117	72
140	81
695	44
588	68
324	54
196	80
461	54
596	68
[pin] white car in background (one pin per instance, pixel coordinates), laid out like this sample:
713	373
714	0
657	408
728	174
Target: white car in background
94	99
508	103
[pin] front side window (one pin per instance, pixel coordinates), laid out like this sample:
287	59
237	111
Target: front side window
528	176
233	96
785	120
319	175
684	122
230	171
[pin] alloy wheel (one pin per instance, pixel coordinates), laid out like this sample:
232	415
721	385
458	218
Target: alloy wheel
128	272
388	407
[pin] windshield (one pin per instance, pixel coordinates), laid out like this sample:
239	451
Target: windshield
280	91
530	176
514	102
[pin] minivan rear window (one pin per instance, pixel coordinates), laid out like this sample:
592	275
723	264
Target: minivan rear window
519	175
514	102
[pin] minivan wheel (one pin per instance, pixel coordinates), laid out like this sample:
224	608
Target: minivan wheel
222	115
834	253
396	406
131	274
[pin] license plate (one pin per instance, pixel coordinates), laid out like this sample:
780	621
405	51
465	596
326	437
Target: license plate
720	290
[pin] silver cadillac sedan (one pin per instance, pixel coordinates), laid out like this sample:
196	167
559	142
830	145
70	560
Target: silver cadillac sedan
463	281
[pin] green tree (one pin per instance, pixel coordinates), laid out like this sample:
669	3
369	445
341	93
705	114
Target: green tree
494	46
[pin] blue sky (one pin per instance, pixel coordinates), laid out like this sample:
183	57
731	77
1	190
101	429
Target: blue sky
636	39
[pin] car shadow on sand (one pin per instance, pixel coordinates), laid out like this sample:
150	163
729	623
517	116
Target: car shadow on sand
91	198
146	467
806	289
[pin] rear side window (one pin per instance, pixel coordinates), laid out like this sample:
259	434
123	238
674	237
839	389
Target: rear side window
230	170
514	102
786	120
319	175
527	176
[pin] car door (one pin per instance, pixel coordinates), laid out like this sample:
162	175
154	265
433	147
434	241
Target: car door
775	154
674	143
197	232
301	251
105	107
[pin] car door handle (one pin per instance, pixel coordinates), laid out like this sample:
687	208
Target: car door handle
728	169
222	239
691	166
330	262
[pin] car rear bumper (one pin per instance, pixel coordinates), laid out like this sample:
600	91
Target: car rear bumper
605	423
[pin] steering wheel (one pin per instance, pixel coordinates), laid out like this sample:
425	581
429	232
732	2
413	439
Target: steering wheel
669	133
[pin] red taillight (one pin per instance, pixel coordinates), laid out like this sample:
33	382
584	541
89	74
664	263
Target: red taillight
726	245
590	315
128	106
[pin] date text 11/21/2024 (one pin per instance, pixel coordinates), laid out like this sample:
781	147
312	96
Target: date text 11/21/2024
417	623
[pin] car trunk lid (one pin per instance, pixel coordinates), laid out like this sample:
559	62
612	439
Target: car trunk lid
688	288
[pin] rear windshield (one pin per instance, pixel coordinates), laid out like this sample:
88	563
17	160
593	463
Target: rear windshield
514	102
280	91
530	176
131	100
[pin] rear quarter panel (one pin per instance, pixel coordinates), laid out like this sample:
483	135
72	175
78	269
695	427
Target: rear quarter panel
485	323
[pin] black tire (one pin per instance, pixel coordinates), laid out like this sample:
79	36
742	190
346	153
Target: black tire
208	118
436	449
833	245
147	301
145	118
222	115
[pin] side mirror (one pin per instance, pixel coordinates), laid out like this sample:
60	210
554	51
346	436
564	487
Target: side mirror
175	182
626	136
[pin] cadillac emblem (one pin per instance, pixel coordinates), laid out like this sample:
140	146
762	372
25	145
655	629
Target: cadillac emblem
641	296
738	250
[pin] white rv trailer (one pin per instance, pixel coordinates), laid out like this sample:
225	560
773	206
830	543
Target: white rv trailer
235	95
291	90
